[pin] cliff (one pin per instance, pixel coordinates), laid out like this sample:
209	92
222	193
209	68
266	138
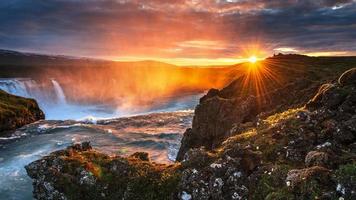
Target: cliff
272	86
17	111
300	144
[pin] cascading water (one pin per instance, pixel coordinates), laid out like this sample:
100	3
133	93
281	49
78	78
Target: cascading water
158	133
55	103
15	86
61	98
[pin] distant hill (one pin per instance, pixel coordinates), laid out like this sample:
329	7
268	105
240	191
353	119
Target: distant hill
110	81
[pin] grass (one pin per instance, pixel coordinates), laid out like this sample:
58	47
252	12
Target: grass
17	111
133	178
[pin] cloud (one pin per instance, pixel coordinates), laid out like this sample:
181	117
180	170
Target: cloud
176	28
286	49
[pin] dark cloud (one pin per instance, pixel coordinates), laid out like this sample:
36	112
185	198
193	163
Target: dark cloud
176	28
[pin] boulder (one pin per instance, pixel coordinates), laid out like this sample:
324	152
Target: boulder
317	158
329	95
213	120
348	77
79	172
296	177
143	156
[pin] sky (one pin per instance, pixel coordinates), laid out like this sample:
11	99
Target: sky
182	32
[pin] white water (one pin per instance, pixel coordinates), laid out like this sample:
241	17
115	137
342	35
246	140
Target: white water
56	106
59	92
158	134
160	137
16	86
52	101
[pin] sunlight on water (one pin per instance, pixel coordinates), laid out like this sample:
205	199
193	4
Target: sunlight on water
159	134
156	130
57	106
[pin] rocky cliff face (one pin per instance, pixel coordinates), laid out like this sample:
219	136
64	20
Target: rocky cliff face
303	153
264	89
296	150
17	111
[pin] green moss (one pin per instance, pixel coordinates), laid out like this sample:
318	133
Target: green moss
132	178
280	194
271	186
280	117
347	171
345	176
310	189
270	151
17	111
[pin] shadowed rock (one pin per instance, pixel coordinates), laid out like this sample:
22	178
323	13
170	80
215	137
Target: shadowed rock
348	77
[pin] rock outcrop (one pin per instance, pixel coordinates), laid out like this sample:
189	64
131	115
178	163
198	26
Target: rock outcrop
306	151
302	153
262	91
79	172
17	111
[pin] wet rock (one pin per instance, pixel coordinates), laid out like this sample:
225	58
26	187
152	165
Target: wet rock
79	172
85	146
141	156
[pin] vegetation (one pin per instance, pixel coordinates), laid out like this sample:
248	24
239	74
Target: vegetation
297	149
17	111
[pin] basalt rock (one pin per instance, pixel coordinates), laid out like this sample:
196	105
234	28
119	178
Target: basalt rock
17	111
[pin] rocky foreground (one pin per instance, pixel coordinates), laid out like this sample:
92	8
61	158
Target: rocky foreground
17	111
292	142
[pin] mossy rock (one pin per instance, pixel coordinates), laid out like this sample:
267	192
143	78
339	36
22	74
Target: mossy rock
83	173
17	111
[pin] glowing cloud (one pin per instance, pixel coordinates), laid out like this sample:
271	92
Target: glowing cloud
286	49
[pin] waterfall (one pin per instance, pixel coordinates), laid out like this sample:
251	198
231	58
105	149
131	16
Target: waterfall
15	87
29	88
61	98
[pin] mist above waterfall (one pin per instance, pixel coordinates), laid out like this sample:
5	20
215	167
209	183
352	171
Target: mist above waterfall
68	88
114	91
77	88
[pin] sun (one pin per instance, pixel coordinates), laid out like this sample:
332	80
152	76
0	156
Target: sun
252	59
